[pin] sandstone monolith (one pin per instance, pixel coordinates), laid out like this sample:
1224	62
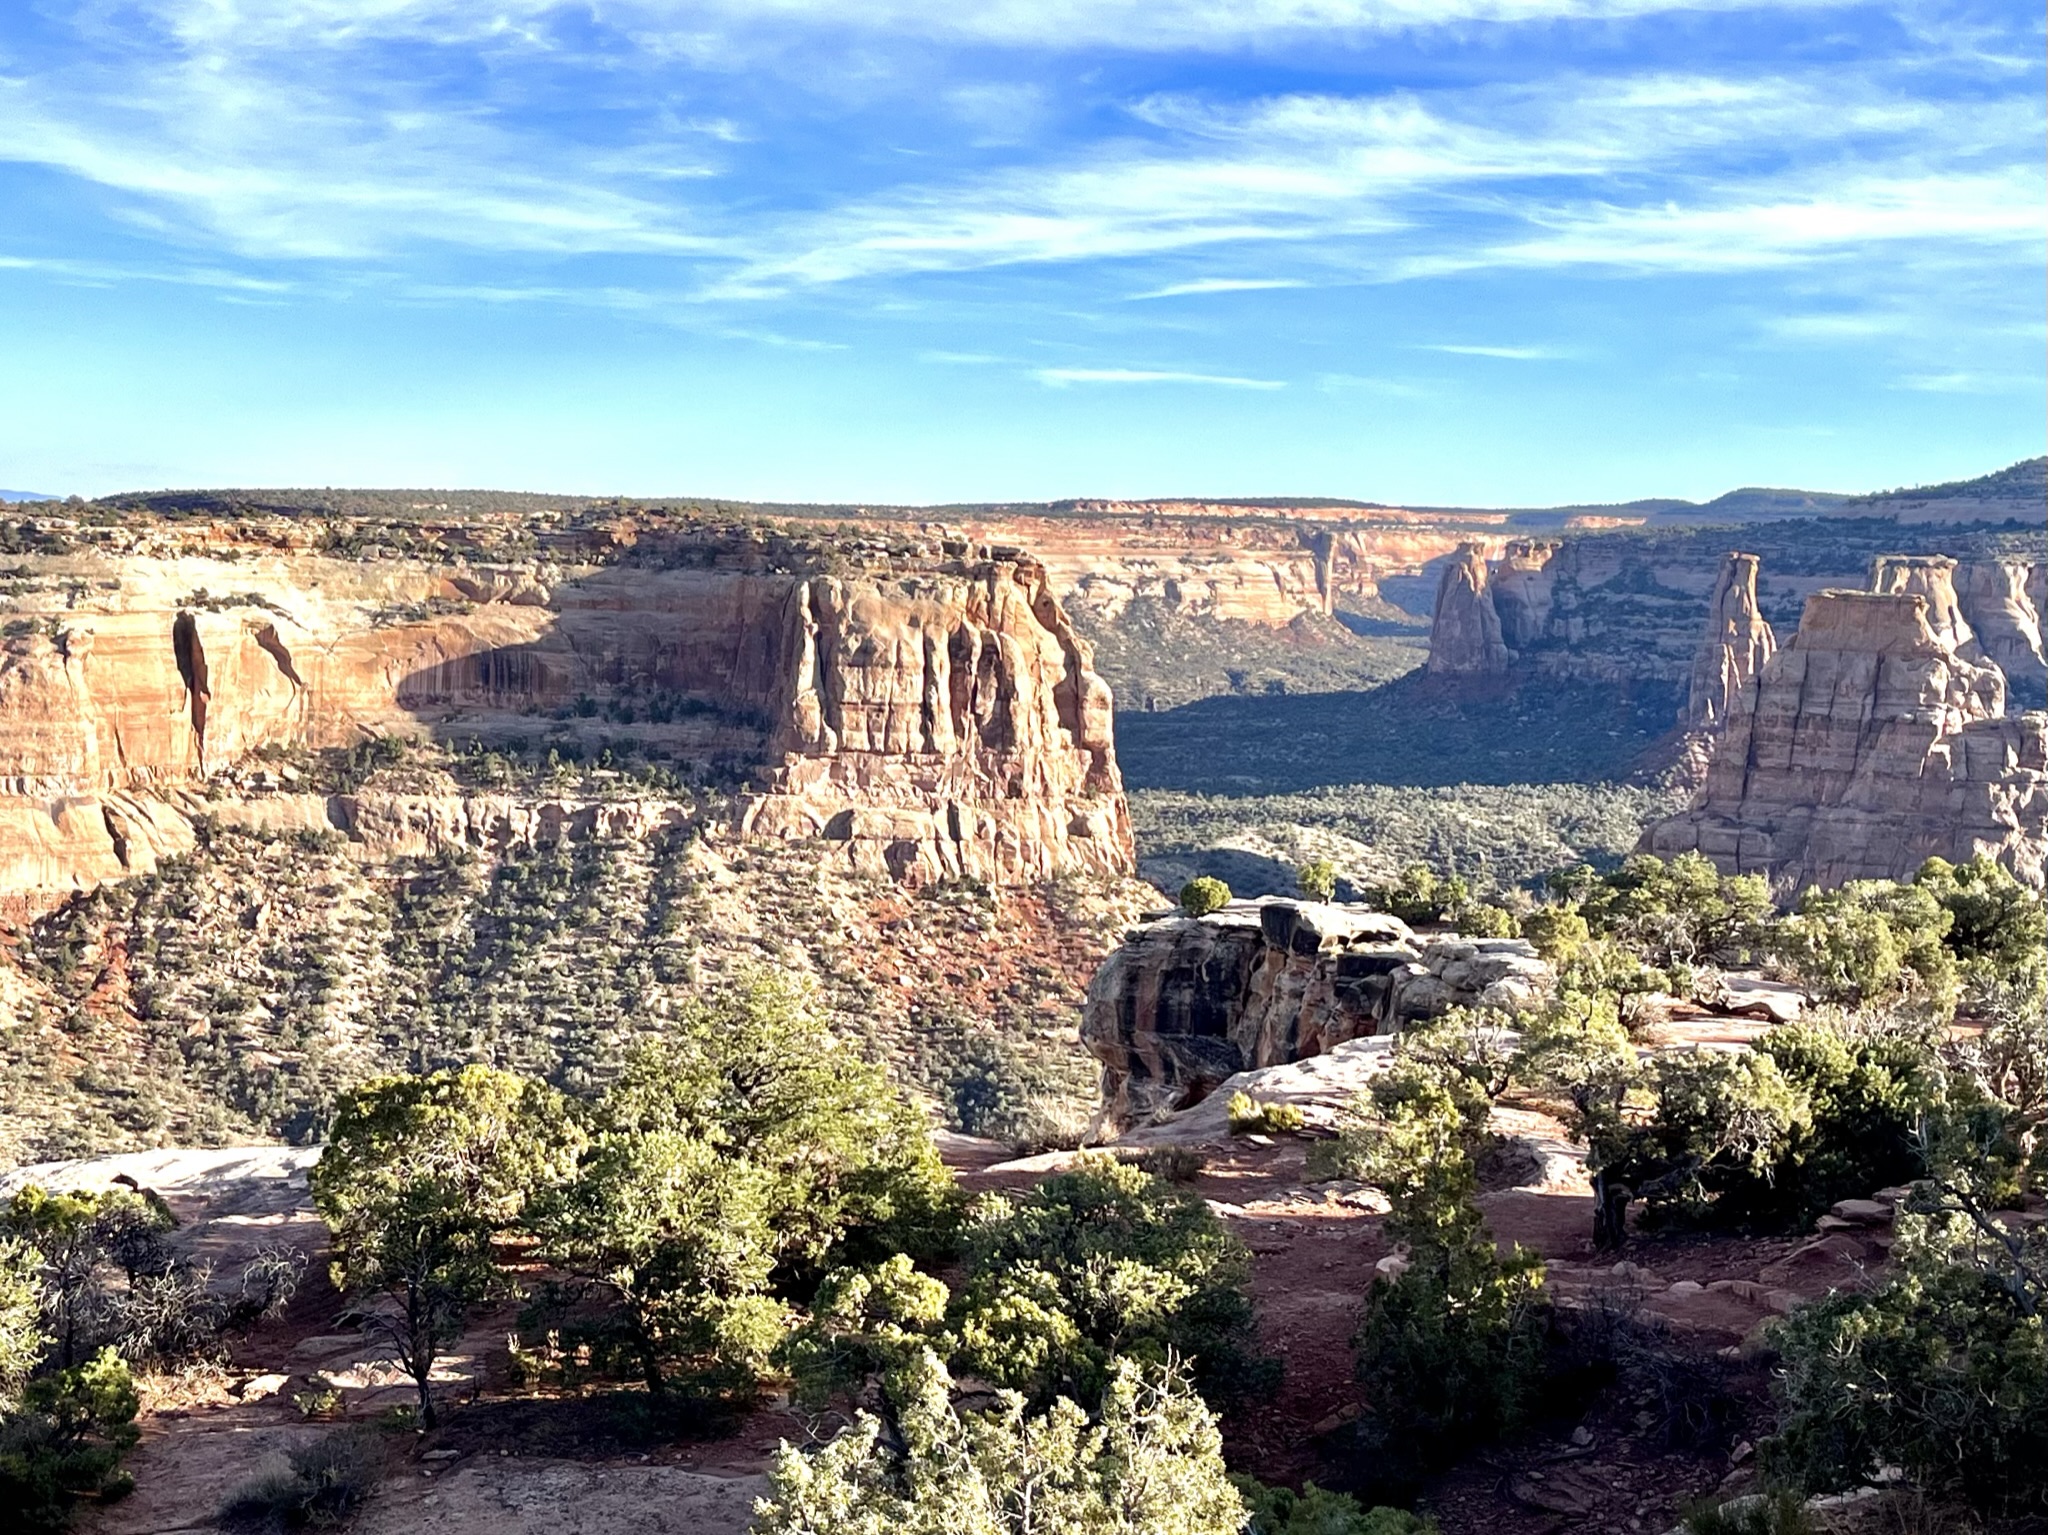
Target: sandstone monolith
1465	633
1994	599
1864	747
1736	644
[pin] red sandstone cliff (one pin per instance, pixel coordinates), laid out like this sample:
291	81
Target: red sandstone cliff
924	710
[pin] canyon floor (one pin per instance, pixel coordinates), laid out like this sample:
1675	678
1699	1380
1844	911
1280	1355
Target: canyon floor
1688	1398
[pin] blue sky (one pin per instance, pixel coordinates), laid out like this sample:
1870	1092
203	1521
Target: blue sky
1437	251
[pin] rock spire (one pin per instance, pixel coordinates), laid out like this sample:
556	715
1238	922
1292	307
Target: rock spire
1736	644
1465	634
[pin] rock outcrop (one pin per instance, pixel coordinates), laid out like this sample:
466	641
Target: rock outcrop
1996	601
1737	643
1186	1002
1864	747
1465	638
1932	576
1522	582
924	711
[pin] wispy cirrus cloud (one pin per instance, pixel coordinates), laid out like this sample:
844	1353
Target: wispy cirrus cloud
1509	353
1059	377
1204	285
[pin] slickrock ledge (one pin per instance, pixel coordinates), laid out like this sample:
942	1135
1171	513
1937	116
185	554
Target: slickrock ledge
1867	745
1188	1002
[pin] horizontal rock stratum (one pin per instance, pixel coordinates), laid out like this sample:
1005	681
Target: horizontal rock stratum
923	708
1867	745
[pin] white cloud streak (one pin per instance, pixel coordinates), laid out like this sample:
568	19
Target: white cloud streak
1060	377
1511	353
1205	285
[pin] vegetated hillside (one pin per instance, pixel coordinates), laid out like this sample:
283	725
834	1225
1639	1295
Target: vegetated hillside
231	994
1157	659
1496	836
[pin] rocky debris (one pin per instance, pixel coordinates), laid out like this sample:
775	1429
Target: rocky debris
1187	1003
1465	637
520	1496
1864	747
922	712
1740	995
1735	646
1996	599
1322	1087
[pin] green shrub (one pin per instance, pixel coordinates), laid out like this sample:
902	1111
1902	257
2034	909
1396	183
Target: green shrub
1204	894
1417	895
1149	1462
66	1441
1098	1261
862	1322
420	1174
1998	928
1936	1372
1312	1511
1452	1351
1683	911
1556	931
729	1169
1173	1164
1872	941
1317	880
1866	1096
21	1312
1484	920
319	1485
1251	1116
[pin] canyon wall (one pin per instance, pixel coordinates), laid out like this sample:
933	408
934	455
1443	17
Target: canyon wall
1188	1002
923	710
1631	606
1998	598
1867	745
1253	564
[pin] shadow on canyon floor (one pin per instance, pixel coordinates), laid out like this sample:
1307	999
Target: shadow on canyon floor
1414	731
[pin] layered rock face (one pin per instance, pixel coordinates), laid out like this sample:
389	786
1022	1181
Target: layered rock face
1734	648
1465	636
2006	617
925	712
1264	565
1186	1003
1932	576
1867	745
1522	585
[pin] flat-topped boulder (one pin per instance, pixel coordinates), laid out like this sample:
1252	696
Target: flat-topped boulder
1188	1002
